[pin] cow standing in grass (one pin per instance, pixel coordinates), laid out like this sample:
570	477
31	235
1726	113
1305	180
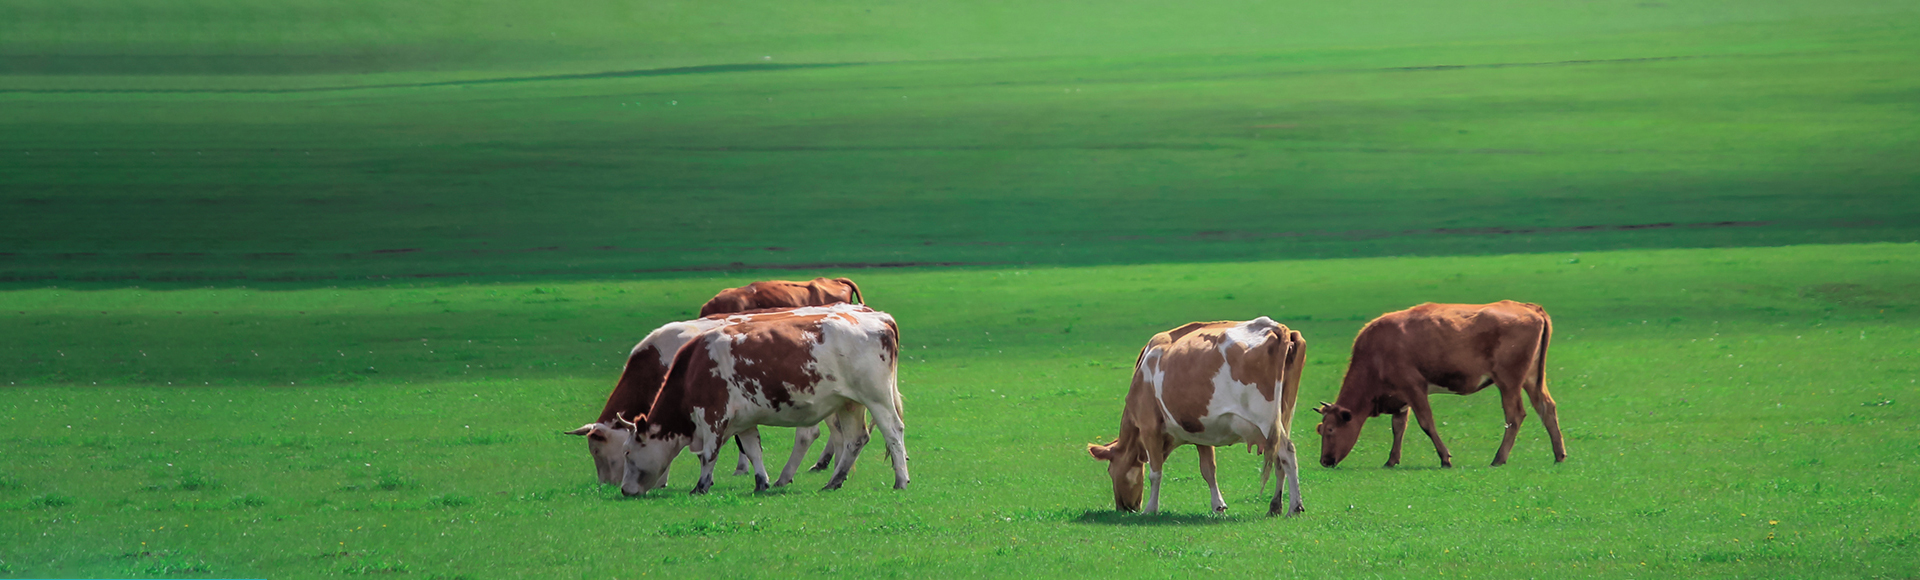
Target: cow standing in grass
1210	384
1401	357
792	368
647	365
783	294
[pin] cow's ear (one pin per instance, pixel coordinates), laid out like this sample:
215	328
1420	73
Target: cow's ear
583	430
1345	415
1100	452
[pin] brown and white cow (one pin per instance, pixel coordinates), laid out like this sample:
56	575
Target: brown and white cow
790	368
1403	356
608	436
783	294
1209	384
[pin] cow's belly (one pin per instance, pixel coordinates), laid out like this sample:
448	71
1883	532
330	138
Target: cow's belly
800	415
1216	430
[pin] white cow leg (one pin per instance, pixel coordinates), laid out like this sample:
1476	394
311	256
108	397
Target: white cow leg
802	440
895	432
1290	469
709	456
743	467
1153	492
750	448
851	426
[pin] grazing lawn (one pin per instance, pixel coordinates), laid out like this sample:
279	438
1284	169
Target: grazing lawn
301	431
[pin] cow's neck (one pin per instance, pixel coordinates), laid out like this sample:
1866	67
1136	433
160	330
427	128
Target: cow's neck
670	415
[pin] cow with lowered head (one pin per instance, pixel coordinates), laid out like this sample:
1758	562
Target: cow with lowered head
1401	357
1209	384
785	368
783	294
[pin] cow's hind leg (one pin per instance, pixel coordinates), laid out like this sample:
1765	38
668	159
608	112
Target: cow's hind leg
708	457
743	467
894	432
1516	414
1550	417
1399	433
749	442
1207	473
850	425
803	438
1289	463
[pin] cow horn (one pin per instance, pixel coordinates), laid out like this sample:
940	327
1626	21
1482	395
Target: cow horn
621	418
1322	407
583	430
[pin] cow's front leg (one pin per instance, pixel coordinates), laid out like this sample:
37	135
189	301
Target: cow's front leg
1423	411
832	446
749	441
708	457
802	440
1399	433
1207	473
850	425
1156	458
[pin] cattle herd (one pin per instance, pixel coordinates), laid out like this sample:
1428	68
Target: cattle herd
795	354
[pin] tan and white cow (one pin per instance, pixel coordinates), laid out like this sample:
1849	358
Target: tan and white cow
785	368
1209	384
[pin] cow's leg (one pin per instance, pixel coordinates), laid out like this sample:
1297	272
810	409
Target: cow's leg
1399	433
826	455
1206	473
894	431
709	455
803	438
741	468
1423	411
850	425
1156	458
1289	463
1549	416
749	442
1516	414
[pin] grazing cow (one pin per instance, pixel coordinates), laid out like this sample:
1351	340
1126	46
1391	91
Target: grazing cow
1401	357
783	294
787	368
1209	384
608	437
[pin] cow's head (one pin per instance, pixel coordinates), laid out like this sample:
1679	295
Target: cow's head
1338	430
1127	469
649	455
607	442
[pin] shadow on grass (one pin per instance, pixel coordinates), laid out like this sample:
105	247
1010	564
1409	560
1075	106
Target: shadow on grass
1119	518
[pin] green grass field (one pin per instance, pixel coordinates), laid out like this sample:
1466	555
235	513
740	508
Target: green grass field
304	288
415	427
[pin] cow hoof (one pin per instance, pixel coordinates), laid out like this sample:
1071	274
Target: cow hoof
821	466
782	482
759	484
1390	464
899	485
740	471
1446	465
1497	463
1220	510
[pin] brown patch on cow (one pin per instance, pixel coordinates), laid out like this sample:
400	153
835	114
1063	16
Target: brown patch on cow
688	389
782	294
1263	370
639	384
1198	349
774	360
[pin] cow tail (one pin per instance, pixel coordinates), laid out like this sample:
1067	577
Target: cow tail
857	299
1290	392
1540	358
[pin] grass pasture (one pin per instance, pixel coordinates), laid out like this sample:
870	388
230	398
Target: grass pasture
413	428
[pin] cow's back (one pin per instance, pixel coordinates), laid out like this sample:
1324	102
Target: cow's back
1201	374
1447	343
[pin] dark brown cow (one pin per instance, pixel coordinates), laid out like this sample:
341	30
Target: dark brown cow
783	294
1401	357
